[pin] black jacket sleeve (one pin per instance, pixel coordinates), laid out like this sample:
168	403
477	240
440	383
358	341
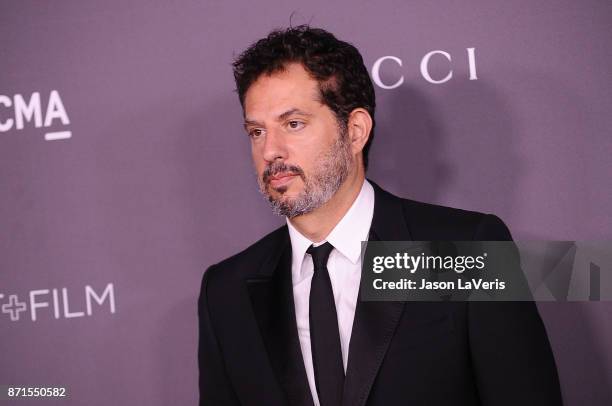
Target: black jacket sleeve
509	348
215	387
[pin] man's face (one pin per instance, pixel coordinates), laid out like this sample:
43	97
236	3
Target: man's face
300	153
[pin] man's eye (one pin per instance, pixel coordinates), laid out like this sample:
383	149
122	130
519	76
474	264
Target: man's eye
295	125
255	133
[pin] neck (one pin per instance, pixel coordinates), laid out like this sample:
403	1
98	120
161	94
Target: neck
317	224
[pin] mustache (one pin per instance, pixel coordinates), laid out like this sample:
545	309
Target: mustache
277	168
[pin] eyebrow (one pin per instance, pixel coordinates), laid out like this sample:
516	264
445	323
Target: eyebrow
281	117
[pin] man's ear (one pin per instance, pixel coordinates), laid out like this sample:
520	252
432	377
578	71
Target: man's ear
359	129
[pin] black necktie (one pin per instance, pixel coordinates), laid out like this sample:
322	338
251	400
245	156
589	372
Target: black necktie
324	334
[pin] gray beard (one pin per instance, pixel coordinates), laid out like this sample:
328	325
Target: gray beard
331	170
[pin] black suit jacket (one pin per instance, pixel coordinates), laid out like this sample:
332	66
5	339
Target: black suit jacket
401	353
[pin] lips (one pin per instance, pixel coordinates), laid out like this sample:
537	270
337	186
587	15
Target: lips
281	176
281	179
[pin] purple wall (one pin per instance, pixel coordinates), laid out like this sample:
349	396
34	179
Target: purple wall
155	182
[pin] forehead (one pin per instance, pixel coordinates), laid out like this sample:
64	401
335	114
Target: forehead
272	94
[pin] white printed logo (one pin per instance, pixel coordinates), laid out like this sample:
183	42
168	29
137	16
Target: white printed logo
58	303
424	68
18	111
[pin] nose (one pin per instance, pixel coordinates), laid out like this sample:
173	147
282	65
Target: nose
274	146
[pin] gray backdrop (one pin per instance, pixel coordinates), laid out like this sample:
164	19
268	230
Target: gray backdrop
104	235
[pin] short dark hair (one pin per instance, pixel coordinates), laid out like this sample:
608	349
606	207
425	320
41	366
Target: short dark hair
343	79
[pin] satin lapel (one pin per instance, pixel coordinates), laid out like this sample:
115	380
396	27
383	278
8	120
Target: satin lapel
375	322
272	301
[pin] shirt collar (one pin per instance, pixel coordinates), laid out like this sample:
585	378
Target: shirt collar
346	236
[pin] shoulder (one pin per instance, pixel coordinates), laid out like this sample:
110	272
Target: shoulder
436	220
428	222
247	262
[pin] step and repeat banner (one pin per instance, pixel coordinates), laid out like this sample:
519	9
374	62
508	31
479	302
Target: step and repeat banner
125	171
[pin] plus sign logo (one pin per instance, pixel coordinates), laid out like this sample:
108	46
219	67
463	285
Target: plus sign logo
13	307
59	303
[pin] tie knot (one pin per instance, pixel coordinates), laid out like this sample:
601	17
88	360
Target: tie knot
320	254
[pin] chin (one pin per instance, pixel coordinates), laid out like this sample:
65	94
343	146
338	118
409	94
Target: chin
284	198
285	191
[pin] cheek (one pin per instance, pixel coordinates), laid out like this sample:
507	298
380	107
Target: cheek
257	159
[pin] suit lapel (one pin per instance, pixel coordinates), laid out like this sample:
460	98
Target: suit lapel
272	300
374	325
375	322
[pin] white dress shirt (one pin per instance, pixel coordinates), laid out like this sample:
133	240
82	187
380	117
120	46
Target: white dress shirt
344	266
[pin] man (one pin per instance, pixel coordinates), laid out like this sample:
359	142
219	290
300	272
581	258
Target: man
281	322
